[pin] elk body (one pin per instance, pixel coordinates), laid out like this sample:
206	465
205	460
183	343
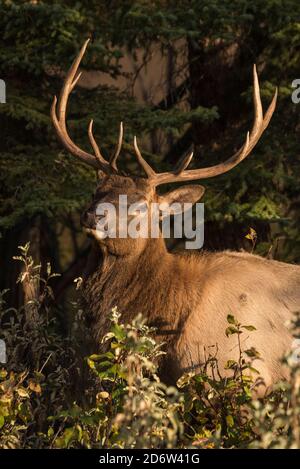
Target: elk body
187	296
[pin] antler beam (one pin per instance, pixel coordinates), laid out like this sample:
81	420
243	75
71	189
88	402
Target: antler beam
181	174
58	116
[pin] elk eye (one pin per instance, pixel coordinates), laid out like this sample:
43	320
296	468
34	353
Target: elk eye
99	218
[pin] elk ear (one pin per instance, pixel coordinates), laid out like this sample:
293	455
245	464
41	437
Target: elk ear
179	197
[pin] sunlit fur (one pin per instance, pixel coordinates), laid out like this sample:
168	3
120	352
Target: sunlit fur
188	296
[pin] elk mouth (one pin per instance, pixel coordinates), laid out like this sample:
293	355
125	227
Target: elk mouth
98	235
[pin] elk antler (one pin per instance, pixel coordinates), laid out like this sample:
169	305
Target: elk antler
181	174
59	120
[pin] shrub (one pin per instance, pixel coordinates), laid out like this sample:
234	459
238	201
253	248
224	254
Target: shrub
121	401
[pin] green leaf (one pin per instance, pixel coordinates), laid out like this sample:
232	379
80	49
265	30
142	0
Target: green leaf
231	330
91	363
252	353
230	364
229	421
249	328
22	392
231	319
118	331
3	374
2	421
254	370
252	235
94	357
69	434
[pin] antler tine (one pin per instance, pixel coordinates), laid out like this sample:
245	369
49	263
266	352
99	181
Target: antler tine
67	142
58	115
94	143
270	109
260	124
75	81
258	111
69	84
183	164
147	168
115	155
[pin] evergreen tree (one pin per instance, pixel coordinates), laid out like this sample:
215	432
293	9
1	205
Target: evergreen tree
43	189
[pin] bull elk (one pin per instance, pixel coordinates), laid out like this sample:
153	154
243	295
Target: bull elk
186	296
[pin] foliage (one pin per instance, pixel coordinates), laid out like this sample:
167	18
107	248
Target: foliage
210	46
122	402
32	63
278	421
41	361
133	408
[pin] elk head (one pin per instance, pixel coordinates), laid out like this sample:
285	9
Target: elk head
142	190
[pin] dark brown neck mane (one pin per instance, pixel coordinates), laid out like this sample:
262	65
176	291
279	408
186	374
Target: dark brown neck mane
154	283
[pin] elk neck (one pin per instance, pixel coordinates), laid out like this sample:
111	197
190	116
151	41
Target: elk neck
153	283
129	277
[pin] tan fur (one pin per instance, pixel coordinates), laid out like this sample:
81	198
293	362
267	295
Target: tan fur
188	297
